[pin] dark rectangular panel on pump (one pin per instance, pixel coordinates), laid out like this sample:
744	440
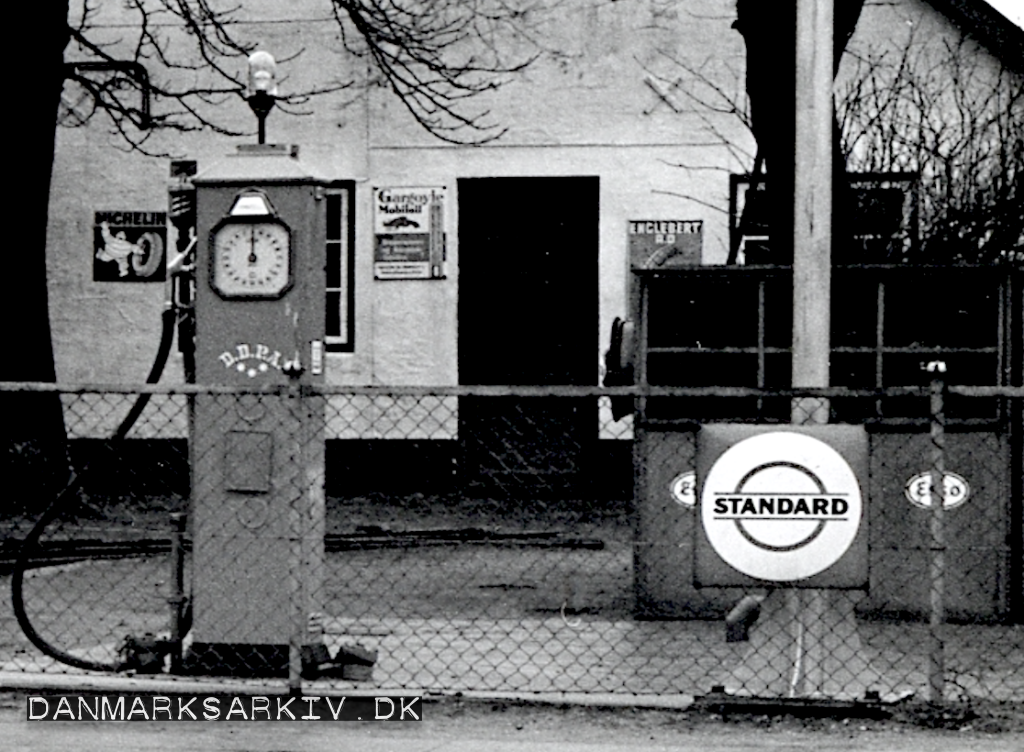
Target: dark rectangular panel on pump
248	457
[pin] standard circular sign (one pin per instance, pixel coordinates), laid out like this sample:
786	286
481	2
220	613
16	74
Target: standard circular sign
955	490
684	488
781	506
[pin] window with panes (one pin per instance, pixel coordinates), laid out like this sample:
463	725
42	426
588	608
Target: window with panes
340	271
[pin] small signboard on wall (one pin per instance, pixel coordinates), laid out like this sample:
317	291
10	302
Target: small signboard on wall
661	244
128	246
408	224
664	243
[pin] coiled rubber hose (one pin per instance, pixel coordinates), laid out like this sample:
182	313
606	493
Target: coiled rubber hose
64	498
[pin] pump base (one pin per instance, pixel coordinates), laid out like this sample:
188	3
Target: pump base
353	663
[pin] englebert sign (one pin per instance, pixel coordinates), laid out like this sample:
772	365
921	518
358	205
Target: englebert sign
781	506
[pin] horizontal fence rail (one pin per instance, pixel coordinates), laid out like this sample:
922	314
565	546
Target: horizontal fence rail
497	538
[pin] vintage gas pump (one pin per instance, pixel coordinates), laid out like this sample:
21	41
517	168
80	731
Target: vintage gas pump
258	458
258	506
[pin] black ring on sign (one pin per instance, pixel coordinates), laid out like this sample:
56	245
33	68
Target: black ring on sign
781	463
793	546
781	549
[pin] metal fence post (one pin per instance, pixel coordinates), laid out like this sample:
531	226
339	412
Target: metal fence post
936	652
297	633
177	599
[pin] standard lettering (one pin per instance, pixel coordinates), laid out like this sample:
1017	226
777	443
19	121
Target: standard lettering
780	506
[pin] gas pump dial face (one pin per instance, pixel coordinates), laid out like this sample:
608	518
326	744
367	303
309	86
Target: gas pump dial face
251	259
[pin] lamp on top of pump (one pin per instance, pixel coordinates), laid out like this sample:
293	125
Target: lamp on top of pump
261	92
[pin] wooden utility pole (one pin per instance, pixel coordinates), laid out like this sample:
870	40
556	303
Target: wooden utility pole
812	279
806	643
812	232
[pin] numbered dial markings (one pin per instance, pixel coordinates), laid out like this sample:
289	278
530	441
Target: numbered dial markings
252	259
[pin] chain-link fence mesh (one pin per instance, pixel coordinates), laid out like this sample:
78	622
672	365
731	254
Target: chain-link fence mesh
102	569
500	539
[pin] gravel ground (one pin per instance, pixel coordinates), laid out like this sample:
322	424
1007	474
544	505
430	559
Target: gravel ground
483	617
492	618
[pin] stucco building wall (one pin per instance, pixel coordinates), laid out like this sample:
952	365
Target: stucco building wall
615	96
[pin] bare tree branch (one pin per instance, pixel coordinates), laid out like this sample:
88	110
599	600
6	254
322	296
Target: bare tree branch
960	126
940	112
435	56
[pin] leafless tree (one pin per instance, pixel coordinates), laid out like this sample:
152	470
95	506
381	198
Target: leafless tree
957	121
718	108
946	113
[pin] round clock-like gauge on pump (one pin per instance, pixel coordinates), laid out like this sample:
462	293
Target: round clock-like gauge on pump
251	258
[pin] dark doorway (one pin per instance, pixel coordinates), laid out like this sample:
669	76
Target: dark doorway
528	293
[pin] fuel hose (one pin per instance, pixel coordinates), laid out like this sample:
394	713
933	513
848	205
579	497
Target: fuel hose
67	497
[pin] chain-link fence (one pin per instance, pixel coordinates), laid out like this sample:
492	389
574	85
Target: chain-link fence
506	539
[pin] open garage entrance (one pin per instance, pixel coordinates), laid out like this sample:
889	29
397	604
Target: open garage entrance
528	315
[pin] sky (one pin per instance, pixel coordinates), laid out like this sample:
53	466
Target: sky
1012	9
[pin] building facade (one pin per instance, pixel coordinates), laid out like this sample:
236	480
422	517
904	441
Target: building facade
609	127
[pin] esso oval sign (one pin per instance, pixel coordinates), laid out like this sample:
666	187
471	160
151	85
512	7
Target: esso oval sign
955	490
781	506
684	488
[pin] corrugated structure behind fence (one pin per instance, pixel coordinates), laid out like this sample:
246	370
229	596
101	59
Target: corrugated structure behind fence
505	539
